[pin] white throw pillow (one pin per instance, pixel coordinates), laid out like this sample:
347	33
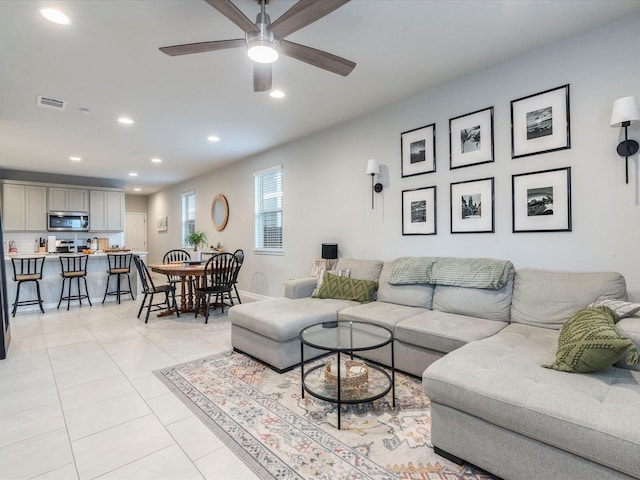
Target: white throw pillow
620	307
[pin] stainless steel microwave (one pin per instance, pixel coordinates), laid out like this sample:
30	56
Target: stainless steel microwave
68	222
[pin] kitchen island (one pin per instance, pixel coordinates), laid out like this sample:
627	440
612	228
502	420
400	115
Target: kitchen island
51	283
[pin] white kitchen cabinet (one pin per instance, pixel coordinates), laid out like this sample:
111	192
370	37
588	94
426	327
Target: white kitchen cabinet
24	207
68	199
106	211
36	208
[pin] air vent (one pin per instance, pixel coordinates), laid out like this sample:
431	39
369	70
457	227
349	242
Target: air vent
51	103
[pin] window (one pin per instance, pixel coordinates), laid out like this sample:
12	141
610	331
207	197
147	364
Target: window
268	196
188	216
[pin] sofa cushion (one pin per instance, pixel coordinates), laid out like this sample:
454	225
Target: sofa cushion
361	269
283	318
444	332
476	302
589	342
499	380
342	288
547	298
417	295
379	313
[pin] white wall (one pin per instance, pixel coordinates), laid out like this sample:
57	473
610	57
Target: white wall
327	194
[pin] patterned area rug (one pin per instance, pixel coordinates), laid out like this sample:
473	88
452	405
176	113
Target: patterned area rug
263	418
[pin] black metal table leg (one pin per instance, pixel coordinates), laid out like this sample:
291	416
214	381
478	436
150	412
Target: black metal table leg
302	368
393	375
339	400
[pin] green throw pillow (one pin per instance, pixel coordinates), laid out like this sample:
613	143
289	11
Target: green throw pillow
589	342
342	288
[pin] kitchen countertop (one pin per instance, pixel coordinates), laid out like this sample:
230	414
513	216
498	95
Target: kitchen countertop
55	255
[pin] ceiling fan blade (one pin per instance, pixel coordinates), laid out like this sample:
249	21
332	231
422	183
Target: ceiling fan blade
188	48
234	14
261	77
302	14
317	58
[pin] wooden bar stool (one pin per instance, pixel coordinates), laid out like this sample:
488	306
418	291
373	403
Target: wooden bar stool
27	270
119	264
74	267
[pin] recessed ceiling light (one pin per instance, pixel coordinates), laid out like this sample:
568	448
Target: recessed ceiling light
213	138
133	174
75	159
137	189
55	16
125	120
276	94
156	160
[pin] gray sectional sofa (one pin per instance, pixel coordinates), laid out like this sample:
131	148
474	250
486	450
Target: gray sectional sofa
479	352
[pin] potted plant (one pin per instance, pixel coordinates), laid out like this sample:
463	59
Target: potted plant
197	239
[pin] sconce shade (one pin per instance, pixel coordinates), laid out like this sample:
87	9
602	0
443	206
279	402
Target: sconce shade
625	109
372	167
330	251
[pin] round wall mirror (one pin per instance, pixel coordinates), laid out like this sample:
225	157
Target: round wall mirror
219	212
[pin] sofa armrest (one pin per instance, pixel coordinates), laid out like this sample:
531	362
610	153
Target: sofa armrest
300	287
630	328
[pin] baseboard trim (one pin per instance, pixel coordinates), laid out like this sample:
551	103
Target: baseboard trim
252	297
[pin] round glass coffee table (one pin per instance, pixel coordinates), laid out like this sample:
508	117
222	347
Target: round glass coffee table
344	380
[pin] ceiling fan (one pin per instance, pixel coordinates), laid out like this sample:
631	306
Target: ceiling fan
265	40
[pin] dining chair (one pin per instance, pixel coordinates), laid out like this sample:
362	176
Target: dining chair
239	254
220	272
175	256
27	270
149	289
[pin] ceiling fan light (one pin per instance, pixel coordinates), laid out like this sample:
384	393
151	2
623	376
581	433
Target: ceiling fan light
262	52
55	16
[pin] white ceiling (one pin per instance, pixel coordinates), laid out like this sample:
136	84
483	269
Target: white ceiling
108	61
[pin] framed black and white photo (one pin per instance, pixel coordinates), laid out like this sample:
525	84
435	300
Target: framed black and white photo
419	211
418	150
471	139
540	123
163	221
541	201
472	205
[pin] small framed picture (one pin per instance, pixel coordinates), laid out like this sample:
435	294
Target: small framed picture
318	264
472	206
541	201
471	139
540	123
418	151
419	211
163	223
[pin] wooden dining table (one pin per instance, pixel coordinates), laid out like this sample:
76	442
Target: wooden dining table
191	277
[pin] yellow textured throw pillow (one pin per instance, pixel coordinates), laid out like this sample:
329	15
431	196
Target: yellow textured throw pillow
342	288
589	342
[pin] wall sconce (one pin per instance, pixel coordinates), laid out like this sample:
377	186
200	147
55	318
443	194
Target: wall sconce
626	111
373	169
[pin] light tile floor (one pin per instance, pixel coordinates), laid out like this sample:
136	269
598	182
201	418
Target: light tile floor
78	399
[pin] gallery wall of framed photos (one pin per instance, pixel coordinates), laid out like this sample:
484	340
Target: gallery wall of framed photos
540	199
